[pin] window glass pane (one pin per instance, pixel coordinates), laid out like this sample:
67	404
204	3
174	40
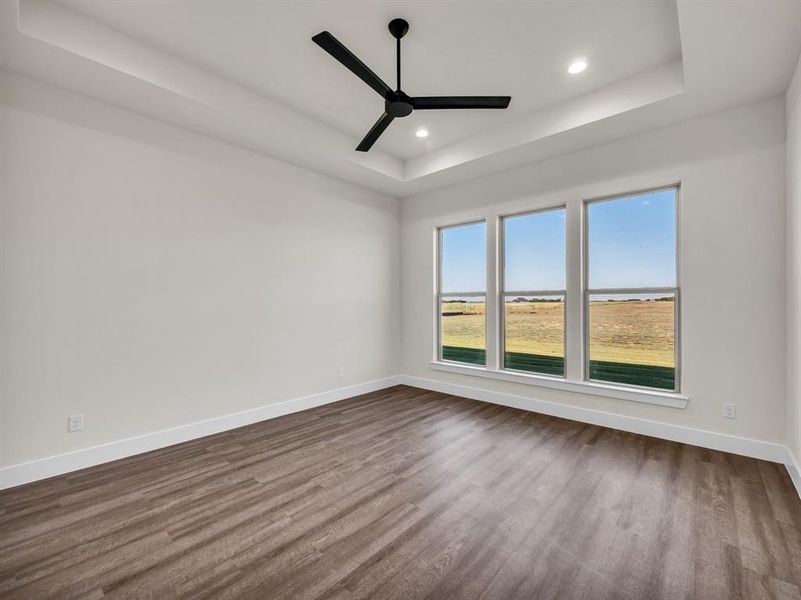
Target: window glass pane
632	339
534	251
463	255
463	322
632	241
534	334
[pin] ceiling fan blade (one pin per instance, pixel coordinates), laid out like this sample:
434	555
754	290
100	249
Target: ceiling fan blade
374	133
432	102
335	48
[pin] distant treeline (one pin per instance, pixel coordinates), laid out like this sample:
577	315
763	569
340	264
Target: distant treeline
521	300
665	299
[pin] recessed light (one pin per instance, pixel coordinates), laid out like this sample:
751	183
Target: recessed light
422	132
577	66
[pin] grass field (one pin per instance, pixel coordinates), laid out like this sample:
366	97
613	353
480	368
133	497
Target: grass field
630	342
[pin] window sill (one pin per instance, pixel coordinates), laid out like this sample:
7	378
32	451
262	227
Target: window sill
670	399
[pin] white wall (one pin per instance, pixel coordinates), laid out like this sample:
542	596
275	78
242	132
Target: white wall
152	277
732	170
793	119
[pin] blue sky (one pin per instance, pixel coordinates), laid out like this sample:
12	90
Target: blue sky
464	258
632	243
535	251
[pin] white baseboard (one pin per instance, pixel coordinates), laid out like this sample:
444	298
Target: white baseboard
794	468
87	457
696	437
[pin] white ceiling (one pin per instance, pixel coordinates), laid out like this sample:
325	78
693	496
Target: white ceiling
247	73
520	49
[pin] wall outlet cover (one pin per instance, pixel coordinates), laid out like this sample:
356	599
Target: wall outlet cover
75	423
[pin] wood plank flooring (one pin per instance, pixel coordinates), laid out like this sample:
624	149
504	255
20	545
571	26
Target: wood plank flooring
406	494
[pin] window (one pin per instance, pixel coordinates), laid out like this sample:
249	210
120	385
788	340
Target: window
631	292
461	293
533	292
582	297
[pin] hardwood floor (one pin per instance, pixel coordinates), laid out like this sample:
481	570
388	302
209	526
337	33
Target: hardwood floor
406	493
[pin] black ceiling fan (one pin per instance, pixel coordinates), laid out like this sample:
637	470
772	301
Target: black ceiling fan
397	103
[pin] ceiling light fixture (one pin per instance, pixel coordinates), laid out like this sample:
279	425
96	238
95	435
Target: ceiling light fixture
422	132
577	66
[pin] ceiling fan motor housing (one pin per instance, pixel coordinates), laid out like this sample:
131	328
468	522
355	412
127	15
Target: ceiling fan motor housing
398	105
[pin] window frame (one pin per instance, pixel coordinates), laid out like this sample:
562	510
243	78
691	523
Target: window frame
439	295
587	291
502	292
576	321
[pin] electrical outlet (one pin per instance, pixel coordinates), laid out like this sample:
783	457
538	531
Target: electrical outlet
340	372
75	423
729	410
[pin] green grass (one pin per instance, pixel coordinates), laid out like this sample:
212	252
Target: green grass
472	356
535	363
614	372
645	375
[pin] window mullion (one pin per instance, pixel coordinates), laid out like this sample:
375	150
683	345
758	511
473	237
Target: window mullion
492	322
574	304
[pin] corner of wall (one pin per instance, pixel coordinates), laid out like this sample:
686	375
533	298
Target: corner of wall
793	192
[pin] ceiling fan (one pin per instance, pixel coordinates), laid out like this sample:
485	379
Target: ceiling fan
397	103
